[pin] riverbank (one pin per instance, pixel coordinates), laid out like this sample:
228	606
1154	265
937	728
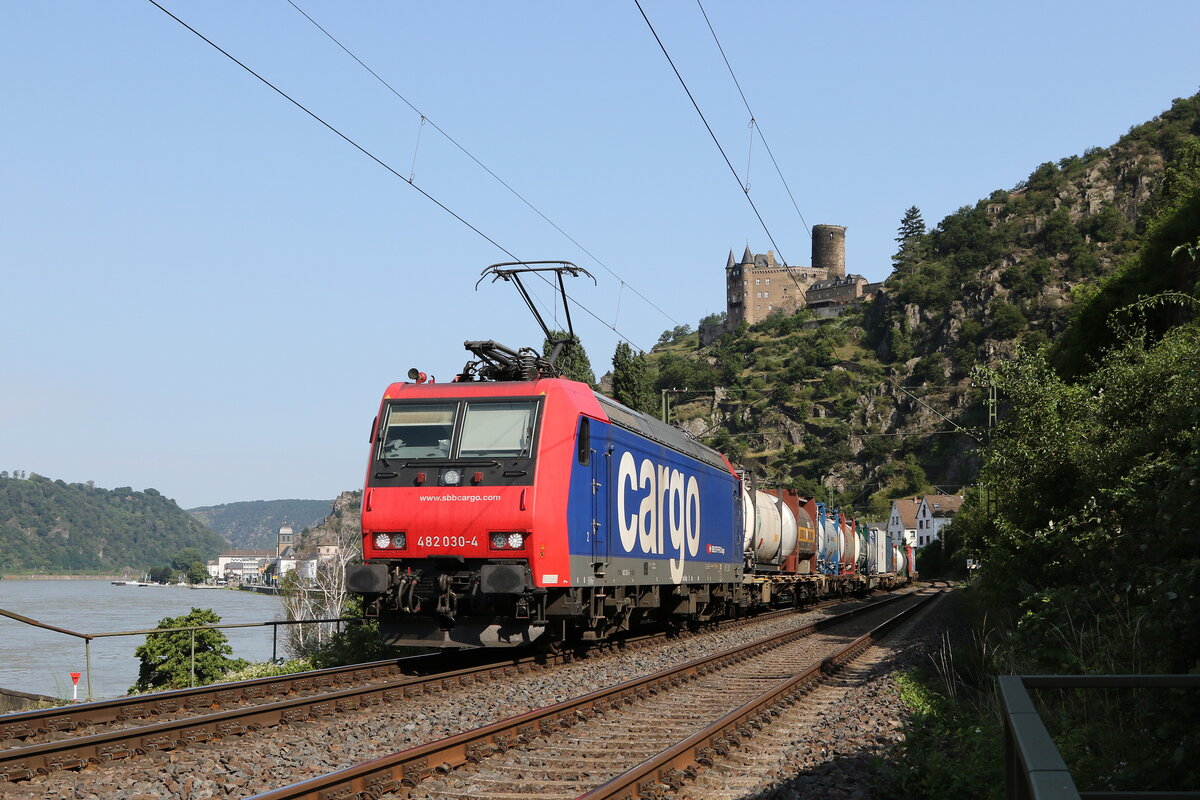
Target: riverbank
43	577
39	661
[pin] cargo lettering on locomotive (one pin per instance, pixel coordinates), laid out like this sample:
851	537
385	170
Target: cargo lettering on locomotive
667	501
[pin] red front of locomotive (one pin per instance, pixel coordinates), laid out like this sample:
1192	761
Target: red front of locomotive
464	509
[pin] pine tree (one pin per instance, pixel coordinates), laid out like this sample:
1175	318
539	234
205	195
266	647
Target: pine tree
911	226
572	360
911	238
631	379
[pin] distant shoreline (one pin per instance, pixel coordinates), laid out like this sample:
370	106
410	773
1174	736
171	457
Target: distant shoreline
63	577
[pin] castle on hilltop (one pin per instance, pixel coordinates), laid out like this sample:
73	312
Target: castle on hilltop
759	286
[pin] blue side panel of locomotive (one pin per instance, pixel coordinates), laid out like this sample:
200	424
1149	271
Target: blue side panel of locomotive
643	513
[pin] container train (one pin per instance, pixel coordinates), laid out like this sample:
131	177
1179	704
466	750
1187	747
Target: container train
500	513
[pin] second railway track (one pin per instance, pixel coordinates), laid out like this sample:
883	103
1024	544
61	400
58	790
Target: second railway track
632	740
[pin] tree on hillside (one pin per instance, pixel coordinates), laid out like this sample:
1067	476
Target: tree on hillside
675	335
910	237
631	379
572	360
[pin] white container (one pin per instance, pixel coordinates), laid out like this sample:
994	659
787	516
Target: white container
771	531
790	533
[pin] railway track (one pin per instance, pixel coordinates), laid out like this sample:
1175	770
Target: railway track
189	717
636	739
65	722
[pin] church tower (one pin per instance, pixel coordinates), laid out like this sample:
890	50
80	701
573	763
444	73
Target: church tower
286	539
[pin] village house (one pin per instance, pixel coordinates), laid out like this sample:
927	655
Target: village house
240	565
935	512
917	521
902	522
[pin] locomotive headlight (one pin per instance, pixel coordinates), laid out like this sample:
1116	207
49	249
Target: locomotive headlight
451	477
504	540
394	541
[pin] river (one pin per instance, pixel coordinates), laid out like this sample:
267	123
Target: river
41	662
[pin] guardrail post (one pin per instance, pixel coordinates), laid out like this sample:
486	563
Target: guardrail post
1033	768
87	659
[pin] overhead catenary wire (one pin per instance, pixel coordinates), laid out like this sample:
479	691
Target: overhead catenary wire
753	120
711	133
376	159
480	164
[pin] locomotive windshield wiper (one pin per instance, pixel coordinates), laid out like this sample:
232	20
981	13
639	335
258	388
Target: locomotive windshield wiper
461	462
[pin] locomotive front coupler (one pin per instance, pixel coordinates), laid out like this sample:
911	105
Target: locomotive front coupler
406	593
447	602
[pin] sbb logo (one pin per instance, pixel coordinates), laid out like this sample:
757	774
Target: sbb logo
654	502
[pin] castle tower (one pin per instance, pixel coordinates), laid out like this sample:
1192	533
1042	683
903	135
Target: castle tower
829	249
286	539
735	307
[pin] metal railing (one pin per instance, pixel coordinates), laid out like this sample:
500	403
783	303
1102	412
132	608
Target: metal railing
88	637
1033	767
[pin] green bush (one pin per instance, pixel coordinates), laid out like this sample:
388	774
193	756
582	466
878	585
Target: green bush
1007	322
185	658
356	644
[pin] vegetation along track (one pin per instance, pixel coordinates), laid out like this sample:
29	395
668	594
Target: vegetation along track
419	710
631	740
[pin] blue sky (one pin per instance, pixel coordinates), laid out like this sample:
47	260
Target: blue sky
206	292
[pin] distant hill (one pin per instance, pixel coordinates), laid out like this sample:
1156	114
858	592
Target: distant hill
343	525
74	527
254	525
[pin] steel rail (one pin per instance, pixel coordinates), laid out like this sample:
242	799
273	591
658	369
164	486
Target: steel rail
398	771
24	724
25	762
677	765
75	753
39	722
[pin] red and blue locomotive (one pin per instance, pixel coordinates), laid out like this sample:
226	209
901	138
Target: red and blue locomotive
511	506
494	512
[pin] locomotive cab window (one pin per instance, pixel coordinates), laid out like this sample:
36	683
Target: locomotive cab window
418	431
452	429
498	430
585	441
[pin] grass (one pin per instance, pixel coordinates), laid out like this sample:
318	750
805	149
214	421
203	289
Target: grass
953	742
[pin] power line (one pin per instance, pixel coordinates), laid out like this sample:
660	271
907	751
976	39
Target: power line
728	163
343	136
708	127
376	159
754	120
470	155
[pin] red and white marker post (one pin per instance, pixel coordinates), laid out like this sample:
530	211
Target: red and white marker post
75	686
